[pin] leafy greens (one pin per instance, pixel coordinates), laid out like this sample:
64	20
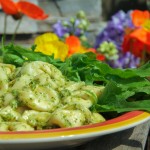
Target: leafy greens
125	89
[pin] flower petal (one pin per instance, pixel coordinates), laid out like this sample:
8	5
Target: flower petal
31	10
141	35
46	37
48	43
73	41
9	7
137	42
58	48
74	44
139	17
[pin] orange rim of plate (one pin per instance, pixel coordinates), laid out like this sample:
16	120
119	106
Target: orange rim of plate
124	121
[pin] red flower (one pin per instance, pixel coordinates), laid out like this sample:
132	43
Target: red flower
138	40
75	46
9	7
99	56
23	7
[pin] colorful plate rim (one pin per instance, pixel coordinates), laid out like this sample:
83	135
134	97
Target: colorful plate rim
123	122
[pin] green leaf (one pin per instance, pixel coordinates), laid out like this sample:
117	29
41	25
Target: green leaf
90	70
126	89
18	61
12	53
120	98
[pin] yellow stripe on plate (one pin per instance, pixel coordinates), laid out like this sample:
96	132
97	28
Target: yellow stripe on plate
122	125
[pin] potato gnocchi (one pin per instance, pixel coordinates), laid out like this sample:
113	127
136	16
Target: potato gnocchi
37	96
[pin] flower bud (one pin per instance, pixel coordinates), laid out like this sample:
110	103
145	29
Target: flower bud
81	14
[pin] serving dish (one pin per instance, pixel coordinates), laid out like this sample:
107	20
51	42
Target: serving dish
65	137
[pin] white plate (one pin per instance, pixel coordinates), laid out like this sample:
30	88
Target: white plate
63	137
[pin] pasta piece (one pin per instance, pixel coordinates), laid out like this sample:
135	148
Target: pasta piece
3	81
8	68
15	126
45	80
4	126
21	82
5	71
36	119
95	89
20	126
71	116
96	118
37	67
9	114
31	68
8	97
40	99
72	86
16	73
77	100
83	97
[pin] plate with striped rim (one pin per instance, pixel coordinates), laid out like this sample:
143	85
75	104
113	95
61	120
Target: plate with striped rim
63	137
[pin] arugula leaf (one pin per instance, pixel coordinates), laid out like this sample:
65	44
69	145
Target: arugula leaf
120	97
78	67
85	67
17	55
123	107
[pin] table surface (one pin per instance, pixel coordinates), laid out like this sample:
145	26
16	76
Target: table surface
131	139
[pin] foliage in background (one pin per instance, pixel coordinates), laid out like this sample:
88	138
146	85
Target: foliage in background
114	41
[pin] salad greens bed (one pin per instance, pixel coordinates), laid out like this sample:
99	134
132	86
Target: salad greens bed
125	89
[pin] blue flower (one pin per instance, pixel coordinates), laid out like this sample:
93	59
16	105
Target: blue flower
60	29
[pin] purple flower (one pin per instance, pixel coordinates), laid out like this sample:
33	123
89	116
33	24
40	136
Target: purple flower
114	31
59	29
127	60
73	26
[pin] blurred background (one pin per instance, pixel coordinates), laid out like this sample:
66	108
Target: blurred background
98	13
105	26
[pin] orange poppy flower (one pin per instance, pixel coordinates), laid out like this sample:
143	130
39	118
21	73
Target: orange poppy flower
75	46
138	40
139	17
23	7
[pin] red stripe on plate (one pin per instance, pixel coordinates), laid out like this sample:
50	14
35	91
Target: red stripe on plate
121	118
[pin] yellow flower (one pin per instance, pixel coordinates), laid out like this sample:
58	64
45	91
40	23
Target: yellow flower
49	44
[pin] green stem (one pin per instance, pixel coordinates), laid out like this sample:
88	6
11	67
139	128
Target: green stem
5	28
15	32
